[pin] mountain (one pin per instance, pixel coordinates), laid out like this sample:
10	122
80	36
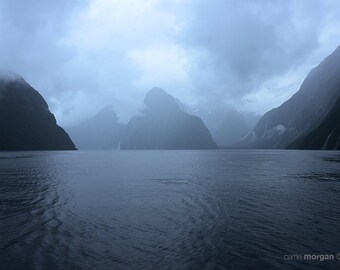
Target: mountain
326	136
25	120
164	125
103	131
226	125
303	112
230	129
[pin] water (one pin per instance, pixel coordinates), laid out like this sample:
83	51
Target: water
169	209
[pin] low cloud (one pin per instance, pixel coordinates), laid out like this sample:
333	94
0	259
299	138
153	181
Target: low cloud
84	55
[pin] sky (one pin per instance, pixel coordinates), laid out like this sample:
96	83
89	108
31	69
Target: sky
83	55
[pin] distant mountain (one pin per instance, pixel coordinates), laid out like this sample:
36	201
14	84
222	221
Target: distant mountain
303	112
103	131
226	125
164	125
25	120
326	136
231	128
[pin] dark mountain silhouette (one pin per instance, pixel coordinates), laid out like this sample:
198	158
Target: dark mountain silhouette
326	136
103	131
303	112
164	125
25	120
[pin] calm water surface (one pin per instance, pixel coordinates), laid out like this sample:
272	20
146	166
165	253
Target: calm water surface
169	209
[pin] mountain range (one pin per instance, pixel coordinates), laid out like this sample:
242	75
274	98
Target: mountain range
310	119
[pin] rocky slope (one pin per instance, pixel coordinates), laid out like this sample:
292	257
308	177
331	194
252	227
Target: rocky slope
326	136
164	125
303	112
25	120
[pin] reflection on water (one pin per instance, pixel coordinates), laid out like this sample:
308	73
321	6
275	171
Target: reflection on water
168	209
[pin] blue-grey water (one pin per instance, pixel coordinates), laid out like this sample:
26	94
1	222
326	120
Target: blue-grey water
169	210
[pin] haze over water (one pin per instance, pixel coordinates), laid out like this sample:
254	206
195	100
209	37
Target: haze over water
168	209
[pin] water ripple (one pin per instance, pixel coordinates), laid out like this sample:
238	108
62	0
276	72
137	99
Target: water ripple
174	210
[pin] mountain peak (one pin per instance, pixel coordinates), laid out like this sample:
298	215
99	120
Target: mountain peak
9	76
165	126
158	99
157	90
108	113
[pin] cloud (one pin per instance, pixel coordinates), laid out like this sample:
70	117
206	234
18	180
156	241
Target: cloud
84	55
248	42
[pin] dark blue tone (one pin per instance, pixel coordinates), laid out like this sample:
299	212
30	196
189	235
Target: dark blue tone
168	209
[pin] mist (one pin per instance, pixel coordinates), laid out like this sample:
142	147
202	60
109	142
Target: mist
169	134
85	55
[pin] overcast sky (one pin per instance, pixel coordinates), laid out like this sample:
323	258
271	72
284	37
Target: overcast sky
82	55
